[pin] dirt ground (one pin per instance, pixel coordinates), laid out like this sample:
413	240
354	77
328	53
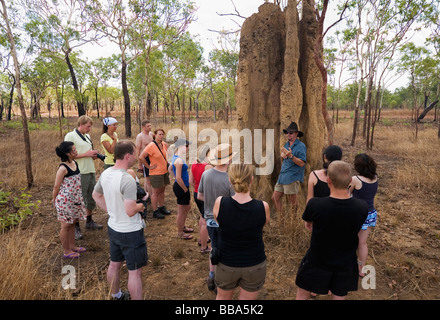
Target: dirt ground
405	255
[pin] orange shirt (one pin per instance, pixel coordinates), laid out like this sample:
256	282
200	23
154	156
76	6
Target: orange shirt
156	157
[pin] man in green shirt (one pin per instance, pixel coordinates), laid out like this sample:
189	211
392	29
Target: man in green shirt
86	154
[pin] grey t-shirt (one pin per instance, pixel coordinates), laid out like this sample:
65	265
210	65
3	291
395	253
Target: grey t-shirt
214	184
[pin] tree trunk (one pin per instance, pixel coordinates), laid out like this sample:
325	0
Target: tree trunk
26	136
11	97
79	103
320	64
126	99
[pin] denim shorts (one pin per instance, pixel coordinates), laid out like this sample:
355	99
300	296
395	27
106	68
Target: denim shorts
129	247
250	279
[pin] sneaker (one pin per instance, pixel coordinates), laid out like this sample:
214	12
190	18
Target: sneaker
124	296
158	215
92	225
78	234
211	284
164	211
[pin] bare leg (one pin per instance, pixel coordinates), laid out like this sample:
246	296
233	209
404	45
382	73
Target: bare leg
363	249
182	213
302	294
135	284
113	276
224	294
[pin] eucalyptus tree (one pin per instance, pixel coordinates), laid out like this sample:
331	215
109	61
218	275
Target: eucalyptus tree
160	23
60	26
6	29
379	30
100	72
182	60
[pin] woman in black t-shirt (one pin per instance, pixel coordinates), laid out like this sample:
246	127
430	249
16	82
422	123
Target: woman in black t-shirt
241	220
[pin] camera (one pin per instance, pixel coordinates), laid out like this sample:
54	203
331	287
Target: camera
100	156
214	256
141	196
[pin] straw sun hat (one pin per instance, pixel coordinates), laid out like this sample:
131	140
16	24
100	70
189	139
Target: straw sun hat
221	154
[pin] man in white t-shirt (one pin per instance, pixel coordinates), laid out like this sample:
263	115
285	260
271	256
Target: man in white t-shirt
115	192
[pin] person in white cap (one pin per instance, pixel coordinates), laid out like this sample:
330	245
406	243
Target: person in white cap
109	138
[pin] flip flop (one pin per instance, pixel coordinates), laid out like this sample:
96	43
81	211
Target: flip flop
72	255
184	236
206	250
80	250
187	230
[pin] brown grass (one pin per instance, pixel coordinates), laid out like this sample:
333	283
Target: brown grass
403	247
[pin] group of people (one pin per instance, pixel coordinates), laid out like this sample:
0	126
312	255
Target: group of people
339	211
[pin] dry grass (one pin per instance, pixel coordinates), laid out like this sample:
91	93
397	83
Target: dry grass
404	246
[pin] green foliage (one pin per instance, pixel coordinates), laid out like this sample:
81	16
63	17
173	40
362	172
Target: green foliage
14	209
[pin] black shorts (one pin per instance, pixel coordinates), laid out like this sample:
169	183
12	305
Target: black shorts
320	280
183	198
200	204
146	170
129	247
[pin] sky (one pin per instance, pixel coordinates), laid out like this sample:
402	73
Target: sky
208	18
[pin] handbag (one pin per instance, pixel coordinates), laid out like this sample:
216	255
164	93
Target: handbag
162	154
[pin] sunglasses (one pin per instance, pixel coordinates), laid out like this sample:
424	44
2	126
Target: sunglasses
290	132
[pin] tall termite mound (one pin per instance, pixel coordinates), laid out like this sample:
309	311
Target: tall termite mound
278	82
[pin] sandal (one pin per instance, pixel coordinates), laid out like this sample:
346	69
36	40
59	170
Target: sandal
72	255
187	230
200	243
80	250
184	236
206	250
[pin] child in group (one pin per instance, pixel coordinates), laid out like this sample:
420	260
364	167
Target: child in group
67	198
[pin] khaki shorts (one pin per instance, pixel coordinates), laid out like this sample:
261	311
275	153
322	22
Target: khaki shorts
159	181
250	279
288	188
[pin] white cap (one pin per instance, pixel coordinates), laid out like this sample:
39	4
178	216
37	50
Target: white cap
109	121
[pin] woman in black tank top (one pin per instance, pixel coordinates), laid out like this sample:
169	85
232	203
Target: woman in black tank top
317	185
241	220
67	198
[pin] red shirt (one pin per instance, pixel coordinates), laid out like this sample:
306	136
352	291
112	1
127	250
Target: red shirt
197	170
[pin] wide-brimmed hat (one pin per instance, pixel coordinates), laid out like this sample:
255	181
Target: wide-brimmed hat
109	121
181	142
293	127
221	154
